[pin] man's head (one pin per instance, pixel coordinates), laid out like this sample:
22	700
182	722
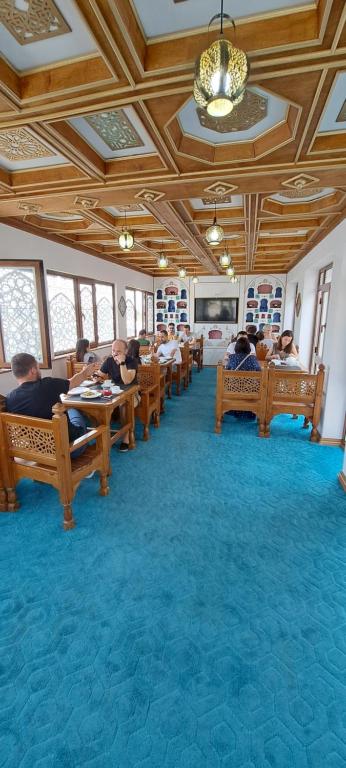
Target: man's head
251	329
163	337
118	348
187	328
241	334
142	334
25	367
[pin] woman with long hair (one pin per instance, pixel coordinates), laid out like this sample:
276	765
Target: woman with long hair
283	348
133	350
83	352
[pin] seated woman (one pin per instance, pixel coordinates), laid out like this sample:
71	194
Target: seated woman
83	352
242	360
133	350
283	348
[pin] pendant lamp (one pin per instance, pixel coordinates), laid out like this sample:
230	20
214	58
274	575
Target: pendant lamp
214	234
221	74
126	239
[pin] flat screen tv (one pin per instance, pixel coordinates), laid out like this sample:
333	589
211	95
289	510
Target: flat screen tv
216	310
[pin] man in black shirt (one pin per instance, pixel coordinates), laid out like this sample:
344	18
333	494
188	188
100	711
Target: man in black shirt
122	369
36	396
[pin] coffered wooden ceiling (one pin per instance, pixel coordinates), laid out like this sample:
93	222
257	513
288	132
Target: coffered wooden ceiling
97	116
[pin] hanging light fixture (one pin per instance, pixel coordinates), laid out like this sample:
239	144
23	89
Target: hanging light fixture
182	272
221	74
126	239
195	279
214	234
230	271
234	279
162	261
225	259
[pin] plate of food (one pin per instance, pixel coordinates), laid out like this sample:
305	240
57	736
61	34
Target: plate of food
90	394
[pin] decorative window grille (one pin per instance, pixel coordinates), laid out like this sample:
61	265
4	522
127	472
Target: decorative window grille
62	310
80	308
139	311
23	318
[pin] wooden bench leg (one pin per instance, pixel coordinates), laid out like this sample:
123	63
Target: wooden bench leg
104	487
306	423
12	501
69	521
3	500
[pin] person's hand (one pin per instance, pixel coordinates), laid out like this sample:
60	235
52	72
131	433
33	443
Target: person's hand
90	369
120	357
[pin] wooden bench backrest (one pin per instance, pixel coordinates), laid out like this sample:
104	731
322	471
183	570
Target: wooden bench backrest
295	392
241	391
73	367
148	376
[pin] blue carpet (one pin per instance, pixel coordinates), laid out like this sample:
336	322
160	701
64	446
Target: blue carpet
195	618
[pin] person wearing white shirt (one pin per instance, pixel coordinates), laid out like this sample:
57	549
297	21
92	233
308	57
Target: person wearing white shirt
186	336
169	348
231	347
268	339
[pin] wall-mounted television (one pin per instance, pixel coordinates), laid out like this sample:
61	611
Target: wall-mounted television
216	310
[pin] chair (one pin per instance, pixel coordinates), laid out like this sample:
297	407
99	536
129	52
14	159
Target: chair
241	391
261	351
181	370
149	406
190	364
73	367
295	392
198	352
40	449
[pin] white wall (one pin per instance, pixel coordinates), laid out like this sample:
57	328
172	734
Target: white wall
331	250
16	244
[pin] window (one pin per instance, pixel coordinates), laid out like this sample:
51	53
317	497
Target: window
23	312
139	311
79	308
321	312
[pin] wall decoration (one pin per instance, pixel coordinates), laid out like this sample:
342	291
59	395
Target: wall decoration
298	304
171	304
264	302
122	306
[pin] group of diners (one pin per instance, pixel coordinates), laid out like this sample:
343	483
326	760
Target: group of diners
36	395
241	354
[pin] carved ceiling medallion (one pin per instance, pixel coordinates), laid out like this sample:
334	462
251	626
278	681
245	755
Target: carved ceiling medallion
32	20
251	110
341	118
212	200
294	194
150	195
115	129
131	207
19	144
86	202
299	182
220	188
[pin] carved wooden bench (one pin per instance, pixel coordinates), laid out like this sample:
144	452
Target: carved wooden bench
149	377
40	449
180	372
295	392
241	391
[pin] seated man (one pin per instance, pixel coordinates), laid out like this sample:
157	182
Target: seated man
35	396
186	336
122	369
169	348
142	339
172	335
231	347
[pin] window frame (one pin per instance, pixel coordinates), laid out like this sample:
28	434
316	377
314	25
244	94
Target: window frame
322	287
77	282
42	309
145	295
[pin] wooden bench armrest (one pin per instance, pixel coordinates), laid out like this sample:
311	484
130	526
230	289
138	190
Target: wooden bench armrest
84	439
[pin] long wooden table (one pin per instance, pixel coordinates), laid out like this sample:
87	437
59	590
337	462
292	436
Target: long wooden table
102	408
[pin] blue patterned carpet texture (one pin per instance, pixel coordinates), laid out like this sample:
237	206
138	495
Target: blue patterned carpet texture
195	618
